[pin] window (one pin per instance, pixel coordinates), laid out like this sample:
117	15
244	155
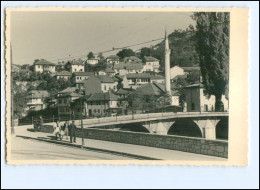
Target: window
192	106
39	66
60	101
98	111
206	107
65	101
105	88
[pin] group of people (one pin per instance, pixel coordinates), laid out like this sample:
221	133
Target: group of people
67	129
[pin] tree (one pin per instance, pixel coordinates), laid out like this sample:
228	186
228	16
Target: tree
125	53
146	52
90	55
100	56
67	66
212	45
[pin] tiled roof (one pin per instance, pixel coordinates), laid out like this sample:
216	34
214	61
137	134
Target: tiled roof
37	94
93	84
124	91
108	96
71	94
133	58
150	59
77	62
63	73
152	89
128	66
143	76
113	57
83	73
68	90
44	62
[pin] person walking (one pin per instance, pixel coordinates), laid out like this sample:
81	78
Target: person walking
57	130
72	132
65	129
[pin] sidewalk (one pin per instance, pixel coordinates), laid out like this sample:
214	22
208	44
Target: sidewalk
128	150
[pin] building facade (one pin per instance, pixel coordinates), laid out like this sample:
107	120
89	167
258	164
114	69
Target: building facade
43	65
35	100
151	64
63	75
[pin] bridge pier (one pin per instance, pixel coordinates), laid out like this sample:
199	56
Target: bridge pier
208	128
161	128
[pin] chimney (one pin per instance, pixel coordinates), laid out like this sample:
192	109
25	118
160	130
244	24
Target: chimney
167	65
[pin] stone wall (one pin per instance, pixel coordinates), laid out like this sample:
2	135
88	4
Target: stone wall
217	148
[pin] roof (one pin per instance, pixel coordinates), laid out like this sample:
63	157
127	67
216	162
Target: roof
109	70
83	73
77	62
191	68
44	62
109	96
194	86
71	94
63	73
68	90
133	58
143	76
152	89
150	59
113	57
128	66
124	91
38	94
93	84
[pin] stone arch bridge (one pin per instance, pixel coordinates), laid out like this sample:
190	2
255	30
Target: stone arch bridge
208	125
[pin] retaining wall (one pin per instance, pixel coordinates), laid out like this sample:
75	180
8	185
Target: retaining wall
217	148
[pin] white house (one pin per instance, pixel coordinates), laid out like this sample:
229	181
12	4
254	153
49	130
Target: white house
100	83
176	71
151	64
77	66
35	99
63	75
135	80
43	65
126	68
197	101
112	59
93	61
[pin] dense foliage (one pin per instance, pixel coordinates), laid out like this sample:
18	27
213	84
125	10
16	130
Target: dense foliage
212	45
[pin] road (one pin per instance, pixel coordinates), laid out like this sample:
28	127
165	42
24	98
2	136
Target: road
27	149
27	145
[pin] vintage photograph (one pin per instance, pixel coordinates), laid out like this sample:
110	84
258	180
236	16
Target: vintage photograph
119	85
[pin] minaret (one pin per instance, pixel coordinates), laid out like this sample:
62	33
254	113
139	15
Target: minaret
167	65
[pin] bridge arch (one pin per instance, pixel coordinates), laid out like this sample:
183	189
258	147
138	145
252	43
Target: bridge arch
185	127
134	127
222	129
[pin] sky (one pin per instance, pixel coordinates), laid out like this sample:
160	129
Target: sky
57	36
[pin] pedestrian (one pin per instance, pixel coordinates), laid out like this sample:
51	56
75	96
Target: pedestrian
72	132
65	129
57	130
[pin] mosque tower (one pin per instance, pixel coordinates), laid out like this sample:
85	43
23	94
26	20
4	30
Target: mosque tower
167	65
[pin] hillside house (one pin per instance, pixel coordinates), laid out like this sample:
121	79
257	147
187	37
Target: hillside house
135	80
63	75
43	65
36	100
151	64
112	59
132	59
93	61
99	84
77	66
198	101
126	68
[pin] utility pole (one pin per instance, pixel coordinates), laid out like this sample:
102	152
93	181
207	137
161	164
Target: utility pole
81	121
12	93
